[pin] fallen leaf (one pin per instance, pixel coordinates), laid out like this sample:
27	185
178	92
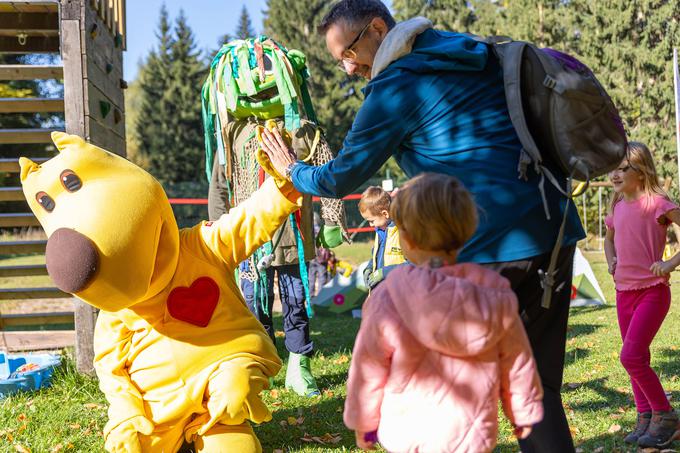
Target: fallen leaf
614	429
277	403
615	416
93	406
21	417
579	450
598	450
57	448
573	385
300	420
292	421
279	334
274	393
342	359
21	449
283	423
328	393
74	426
278	450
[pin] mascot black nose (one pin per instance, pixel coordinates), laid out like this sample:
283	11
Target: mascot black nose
72	260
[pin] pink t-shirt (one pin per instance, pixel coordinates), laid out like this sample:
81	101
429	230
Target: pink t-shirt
639	237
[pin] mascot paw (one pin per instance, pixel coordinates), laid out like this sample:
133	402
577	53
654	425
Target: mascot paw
124	438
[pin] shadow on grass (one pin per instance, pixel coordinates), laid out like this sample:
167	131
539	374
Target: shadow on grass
331	333
575	330
609	398
572	356
578	311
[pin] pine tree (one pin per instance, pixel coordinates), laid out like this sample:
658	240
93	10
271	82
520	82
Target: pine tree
244	29
169	126
629	45
453	15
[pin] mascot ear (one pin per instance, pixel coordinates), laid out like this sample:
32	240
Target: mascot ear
27	166
297	59
62	140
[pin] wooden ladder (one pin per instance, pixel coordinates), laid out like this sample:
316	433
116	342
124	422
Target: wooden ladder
27	28
90	37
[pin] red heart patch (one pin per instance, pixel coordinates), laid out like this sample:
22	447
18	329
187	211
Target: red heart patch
195	304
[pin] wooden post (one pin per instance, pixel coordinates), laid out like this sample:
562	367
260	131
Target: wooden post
74	100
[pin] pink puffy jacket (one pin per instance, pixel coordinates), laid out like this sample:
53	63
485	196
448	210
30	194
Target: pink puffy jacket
436	350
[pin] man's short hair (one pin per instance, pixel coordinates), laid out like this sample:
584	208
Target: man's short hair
356	13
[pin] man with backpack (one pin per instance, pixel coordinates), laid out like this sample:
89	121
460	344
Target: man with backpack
436	101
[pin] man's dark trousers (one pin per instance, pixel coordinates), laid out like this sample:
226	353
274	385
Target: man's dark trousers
547	331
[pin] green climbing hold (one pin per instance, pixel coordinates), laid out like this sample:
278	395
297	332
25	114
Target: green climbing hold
104	108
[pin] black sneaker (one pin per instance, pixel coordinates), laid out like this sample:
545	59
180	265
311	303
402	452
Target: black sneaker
643	420
663	429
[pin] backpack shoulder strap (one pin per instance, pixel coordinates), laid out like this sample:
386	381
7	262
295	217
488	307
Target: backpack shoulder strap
510	55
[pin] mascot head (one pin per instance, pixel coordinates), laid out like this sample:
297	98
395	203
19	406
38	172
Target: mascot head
254	77
112	237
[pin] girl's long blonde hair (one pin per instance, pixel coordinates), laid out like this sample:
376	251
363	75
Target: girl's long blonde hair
640	160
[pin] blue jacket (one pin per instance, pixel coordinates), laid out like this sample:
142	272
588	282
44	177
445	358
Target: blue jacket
441	108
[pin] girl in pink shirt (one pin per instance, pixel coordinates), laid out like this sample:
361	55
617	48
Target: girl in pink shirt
636	235
440	343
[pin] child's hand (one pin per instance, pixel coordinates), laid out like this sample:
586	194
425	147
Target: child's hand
612	266
662	268
364	440
522	432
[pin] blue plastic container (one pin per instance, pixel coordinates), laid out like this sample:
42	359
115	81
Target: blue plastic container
12	381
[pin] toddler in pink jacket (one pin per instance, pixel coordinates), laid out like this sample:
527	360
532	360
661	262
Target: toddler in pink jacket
440	343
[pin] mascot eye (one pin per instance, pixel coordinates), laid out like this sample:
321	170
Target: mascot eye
70	181
268	65
45	201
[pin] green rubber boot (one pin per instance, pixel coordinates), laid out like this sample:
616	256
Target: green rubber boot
299	375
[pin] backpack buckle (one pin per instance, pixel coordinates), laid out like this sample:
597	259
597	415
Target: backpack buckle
552	84
549	82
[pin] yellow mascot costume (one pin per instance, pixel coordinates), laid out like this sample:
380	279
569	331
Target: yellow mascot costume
178	354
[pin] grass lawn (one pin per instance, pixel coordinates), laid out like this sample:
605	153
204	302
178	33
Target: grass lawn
596	392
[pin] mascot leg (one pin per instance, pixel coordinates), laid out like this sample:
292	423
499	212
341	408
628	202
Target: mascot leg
166	440
299	376
227	438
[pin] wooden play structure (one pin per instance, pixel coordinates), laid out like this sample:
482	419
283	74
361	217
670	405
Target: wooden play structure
89	38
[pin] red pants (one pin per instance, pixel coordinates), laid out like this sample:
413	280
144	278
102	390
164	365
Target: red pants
641	312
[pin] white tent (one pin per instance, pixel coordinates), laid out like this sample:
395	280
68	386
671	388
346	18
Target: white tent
584	287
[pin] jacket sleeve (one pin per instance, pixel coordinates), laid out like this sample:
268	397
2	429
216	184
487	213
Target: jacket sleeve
111	348
369	370
246	227
332	209
389	113
218	202
521	390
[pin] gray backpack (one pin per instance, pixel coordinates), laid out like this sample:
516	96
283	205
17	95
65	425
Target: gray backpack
562	115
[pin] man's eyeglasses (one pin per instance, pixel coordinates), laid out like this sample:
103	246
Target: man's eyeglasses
349	54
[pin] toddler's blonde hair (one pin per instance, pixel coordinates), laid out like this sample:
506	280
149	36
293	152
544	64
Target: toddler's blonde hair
374	200
435	211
